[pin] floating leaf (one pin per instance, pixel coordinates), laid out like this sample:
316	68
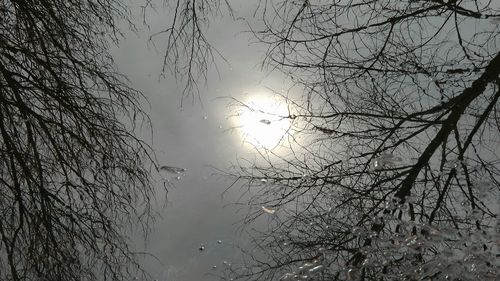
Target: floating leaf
265	121
173	170
267	210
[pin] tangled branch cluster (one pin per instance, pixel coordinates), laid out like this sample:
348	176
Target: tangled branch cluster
399	107
73	174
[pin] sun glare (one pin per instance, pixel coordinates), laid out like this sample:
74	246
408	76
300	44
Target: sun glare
263	121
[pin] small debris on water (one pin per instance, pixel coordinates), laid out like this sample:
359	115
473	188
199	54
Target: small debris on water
173	170
267	210
316	269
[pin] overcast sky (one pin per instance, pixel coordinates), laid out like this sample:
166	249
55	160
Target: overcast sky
194	137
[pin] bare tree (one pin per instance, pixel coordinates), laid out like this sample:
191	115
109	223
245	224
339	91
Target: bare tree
393	168
188	52
73	173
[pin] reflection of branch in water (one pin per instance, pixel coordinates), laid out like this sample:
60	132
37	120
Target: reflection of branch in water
324	130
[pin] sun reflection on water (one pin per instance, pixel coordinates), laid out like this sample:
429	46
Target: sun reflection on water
263	121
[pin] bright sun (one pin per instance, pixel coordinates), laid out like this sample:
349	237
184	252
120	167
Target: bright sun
263	121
